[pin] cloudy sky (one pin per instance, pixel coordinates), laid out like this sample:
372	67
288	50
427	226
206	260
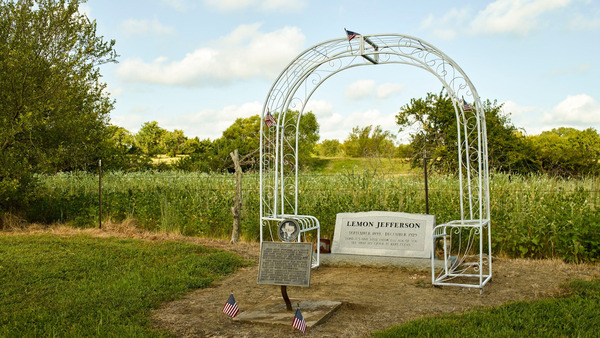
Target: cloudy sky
197	65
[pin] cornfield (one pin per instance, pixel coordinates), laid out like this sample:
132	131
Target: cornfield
533	216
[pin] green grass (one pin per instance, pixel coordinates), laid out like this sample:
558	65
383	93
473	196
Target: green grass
384	166
85	286
575	316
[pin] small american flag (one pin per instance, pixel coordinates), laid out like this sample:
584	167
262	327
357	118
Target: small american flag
466	106
350	34
231	307
299	322
269	119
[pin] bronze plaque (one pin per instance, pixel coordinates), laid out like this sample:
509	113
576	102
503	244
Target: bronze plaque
284	263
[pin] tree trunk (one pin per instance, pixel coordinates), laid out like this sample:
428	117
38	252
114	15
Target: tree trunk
237	200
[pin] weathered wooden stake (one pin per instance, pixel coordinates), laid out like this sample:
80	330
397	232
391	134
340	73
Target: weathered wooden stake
237	200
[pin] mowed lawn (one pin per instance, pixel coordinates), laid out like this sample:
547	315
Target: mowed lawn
86	286
575	314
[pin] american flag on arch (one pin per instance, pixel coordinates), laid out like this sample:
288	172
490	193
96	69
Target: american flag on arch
466	106
350	34
269	119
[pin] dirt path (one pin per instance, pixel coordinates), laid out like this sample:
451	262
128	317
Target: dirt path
374	298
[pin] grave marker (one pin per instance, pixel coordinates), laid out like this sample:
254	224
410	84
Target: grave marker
383	233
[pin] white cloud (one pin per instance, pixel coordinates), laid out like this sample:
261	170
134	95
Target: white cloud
584	23
146	27
337	126
131	121
210	123
113	92
581	68
179	5
206	123
360	89
388	89
446	26
501	16
264	56
579	110
321	108
86	10
514	16
264	5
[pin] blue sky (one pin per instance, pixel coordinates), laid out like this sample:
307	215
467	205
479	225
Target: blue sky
199	65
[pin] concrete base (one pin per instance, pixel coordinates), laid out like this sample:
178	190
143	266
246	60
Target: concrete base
273	311
358	260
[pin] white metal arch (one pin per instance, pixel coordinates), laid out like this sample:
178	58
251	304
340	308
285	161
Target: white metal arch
301	78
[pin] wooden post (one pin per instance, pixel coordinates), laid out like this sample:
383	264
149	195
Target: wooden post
237	200
100	194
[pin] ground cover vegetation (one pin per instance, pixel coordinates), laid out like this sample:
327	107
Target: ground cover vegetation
55	286
575	314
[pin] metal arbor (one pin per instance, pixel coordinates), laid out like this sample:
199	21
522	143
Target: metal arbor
465	244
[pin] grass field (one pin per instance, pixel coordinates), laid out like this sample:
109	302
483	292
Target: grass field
86	286
532	217
576	315
380	166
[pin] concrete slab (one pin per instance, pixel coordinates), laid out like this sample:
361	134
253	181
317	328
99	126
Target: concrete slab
272	311
369	260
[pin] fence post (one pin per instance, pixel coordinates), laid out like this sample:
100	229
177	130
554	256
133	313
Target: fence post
237	200
100	194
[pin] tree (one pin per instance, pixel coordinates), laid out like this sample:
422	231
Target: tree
149	137
567	151
436	131
308	135
173	142
329	148
244	135
53	108
369	142
121	153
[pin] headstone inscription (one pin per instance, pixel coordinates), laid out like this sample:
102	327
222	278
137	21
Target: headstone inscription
383	233
285	263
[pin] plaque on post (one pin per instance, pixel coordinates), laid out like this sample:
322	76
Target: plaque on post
285	263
